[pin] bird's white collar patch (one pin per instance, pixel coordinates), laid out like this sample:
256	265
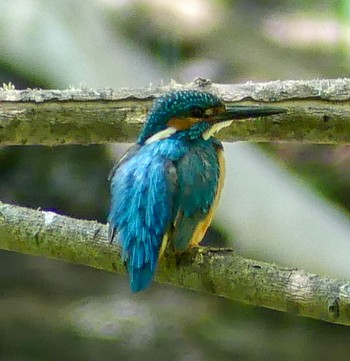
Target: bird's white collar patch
215	128
166	133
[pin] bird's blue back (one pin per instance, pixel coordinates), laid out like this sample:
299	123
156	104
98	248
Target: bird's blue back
162	188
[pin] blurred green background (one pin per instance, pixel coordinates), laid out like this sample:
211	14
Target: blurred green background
283	202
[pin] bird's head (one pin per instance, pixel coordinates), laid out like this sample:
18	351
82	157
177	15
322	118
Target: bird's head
192	115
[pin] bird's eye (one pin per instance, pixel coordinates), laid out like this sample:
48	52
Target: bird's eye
197	112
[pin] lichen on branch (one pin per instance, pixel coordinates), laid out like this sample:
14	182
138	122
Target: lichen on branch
318	112
216	271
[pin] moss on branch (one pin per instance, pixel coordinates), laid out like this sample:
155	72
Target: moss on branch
319	112
216	271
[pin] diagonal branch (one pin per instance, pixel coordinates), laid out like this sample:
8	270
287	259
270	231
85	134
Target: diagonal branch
319	112
217	271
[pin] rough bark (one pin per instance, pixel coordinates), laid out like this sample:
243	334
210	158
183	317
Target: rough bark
319	112
216	271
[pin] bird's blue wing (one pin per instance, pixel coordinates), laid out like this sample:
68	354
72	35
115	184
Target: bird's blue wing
141	211
200	178
131	152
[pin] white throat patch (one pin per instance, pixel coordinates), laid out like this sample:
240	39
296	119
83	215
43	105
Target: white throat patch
166	133
215	128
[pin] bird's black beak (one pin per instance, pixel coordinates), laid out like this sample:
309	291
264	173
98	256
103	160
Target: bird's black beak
230	113
243	112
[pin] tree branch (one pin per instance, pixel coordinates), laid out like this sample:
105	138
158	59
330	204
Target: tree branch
217	271
319	112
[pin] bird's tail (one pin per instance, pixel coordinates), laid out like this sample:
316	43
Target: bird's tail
142	272
140	278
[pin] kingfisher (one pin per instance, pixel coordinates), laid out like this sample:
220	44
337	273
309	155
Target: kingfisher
166	187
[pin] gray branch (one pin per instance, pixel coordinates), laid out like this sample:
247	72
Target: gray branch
216	271
319	112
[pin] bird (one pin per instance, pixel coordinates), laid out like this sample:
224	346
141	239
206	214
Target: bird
166	187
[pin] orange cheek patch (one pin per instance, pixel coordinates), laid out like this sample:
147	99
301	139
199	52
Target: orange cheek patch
182	123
